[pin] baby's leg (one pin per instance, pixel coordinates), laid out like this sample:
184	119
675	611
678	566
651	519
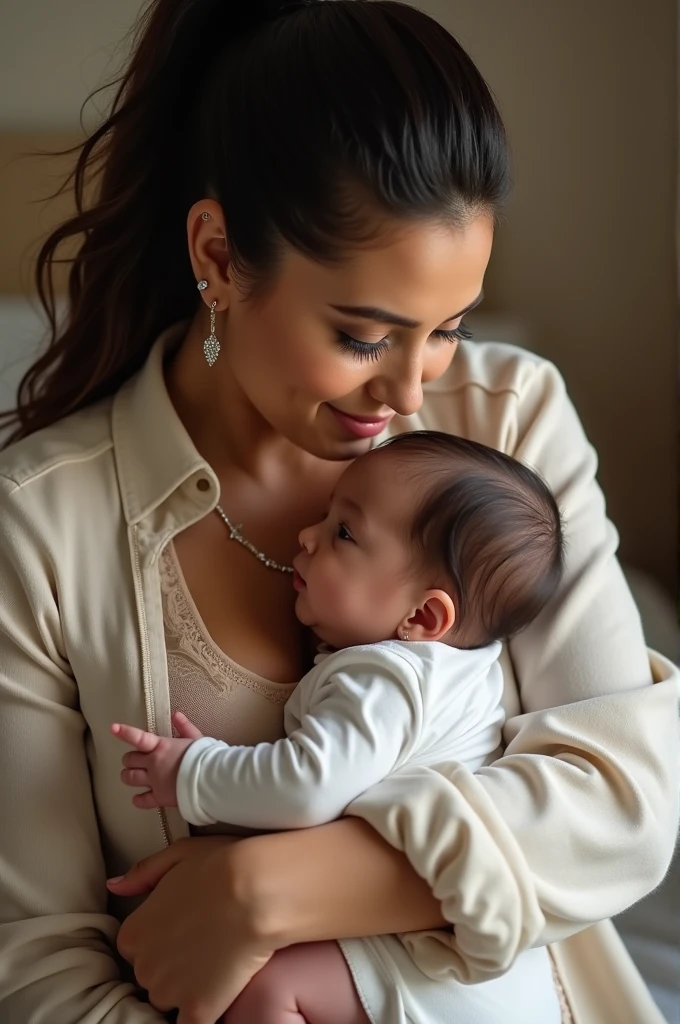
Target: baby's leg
306	984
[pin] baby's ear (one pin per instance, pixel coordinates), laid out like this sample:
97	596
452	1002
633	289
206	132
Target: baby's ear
432	619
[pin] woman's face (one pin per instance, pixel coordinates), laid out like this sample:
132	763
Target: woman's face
317	356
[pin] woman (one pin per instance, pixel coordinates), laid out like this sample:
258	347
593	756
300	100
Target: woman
328	174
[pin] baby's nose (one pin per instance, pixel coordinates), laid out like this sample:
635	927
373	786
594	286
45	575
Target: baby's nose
307	539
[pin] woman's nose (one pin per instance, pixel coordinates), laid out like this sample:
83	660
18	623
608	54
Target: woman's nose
307	539
400	386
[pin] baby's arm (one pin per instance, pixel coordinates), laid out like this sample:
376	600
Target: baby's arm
355	726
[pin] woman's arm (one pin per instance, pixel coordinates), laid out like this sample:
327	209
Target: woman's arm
337	881
57	942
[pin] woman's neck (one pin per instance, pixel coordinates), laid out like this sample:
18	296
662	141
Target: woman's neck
225	427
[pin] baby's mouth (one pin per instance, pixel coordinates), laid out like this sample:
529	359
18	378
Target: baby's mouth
299	581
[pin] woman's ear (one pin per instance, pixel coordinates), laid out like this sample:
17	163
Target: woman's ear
209	251
431	620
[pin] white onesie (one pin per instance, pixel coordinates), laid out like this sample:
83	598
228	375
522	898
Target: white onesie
360	714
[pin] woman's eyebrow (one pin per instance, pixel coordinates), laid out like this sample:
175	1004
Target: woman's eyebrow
383	316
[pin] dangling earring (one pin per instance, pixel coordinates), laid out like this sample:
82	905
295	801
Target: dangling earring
211	345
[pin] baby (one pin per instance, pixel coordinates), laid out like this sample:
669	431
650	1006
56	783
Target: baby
434	550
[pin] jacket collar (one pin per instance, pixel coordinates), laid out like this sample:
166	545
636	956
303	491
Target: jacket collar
154	454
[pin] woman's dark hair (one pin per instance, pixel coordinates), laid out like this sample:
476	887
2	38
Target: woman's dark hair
294	117
487	524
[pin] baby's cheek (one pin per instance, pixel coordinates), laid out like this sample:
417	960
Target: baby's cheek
359	611
343	599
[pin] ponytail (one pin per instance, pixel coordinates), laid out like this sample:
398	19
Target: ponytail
276	116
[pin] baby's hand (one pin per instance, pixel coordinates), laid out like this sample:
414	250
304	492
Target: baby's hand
154	764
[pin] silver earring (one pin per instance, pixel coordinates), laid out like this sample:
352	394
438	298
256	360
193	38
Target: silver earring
202	285
404	635
211	345
205	216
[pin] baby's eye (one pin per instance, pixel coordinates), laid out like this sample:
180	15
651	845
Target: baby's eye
343	533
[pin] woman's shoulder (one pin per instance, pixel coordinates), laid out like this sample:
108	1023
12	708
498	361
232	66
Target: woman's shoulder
57	485
491	392
74	442
491	366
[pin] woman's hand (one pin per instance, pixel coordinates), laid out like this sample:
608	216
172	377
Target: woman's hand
194	943
220	908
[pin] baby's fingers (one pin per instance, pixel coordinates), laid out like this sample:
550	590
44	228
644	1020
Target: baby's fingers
145	801
186	729
135	777
145	742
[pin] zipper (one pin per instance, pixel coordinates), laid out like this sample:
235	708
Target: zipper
146	668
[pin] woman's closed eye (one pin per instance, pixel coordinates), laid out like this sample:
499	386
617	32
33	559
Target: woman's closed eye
374	350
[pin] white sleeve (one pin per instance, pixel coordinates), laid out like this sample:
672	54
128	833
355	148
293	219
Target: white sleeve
359	724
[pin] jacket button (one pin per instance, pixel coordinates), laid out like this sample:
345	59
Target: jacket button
203	484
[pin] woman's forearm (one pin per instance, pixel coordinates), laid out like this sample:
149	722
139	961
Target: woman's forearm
336	881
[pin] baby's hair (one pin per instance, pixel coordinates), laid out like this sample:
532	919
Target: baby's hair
490	525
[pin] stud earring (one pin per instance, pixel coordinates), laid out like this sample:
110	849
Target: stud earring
404	635
202	285
205	216
211	345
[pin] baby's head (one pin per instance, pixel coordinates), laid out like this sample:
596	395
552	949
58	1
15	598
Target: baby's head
433	537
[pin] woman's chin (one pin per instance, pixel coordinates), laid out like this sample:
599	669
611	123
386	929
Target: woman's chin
327	443
333	450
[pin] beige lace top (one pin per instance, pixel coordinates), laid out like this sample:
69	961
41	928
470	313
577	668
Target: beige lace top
221	698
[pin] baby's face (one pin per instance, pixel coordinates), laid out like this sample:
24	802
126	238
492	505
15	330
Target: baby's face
355	576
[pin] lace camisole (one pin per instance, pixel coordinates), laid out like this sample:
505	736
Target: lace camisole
221	698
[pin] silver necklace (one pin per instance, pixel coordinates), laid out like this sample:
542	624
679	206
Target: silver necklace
235	534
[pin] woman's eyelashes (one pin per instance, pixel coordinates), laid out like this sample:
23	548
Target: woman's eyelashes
362	350
461	333
373	351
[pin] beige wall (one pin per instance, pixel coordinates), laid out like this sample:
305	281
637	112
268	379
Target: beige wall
588	90
52	54
587	254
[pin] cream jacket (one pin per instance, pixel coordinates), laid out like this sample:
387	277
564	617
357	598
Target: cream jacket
573	824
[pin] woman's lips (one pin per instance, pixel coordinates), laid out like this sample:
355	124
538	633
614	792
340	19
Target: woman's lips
361	426
298	582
